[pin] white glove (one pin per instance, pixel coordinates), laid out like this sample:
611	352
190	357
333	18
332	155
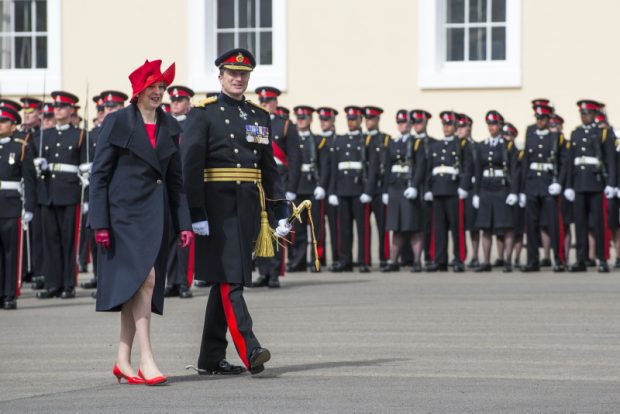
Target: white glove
462	193
284	228
428	196
201	228
85	168
333	200
522	200
569	194
85	208
410	193
27	216
84	180
475	201
512	199
290	196
365	198
385	198
555	189
319	193
41	164
610	192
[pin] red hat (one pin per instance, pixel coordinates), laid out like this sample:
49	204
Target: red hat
303	111
402	116
463	120
281	111
494	117
600	117
588	105
64	98
418	115
148	74
30	104
166	107
113	98
178	92
543	110
266	93
448	117
372	111
325	113
47	109
541	102
7	113
7	103
98	100
510	129
353	111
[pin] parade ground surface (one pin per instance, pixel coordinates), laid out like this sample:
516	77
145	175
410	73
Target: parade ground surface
375	343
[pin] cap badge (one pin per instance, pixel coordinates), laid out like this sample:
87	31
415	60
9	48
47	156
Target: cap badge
239	57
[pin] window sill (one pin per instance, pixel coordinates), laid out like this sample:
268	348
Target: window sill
29	81
469	75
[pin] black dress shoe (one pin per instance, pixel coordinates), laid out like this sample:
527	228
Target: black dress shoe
91	284
364	269
578	267
416	268
38	282
498	263
434	267
68	294
558	268
545	263
390	267
296	268
200	283
458	267
262	281
484	267
507	268
603	267
473	263
46	294
223	368
273	283
338	267
258	358
530	267
590	263
171	291
184	292
10	303
383	263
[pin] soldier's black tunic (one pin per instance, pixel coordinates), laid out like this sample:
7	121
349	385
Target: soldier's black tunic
331	212
87	239
377	144
470	212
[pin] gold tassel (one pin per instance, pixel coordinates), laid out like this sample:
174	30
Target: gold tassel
264	242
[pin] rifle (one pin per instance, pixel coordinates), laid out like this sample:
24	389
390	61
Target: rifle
26	229
313	158
83	178
553	157
41	116
409	159
507	179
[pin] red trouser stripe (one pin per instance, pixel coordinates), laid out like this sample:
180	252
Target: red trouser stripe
462	244
231	320
190	263
432	242
321	242
19	258
562	253
386	235
606	230
366	234
77	240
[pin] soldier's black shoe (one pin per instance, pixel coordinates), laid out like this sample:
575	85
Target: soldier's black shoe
498	263
578	267
545	262
390	267
184	292
603	267
258	358
507	268
590	263
274	283
295	268
262	281
530	267
517	265
617	264
46	294
38	282
200	283
27	277
171	291
434	267
223	368
338	267
458	267
383	263
416	267
10	303
473	263
364	269
68	294
558	268
91	284
484	267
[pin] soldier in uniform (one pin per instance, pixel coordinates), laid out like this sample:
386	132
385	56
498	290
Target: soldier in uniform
496	190
48	119
405	168
288	159
510	133
229	173
349	190
166	107
17	178
282	112
59	194
446	180
32	116
556	125
591	166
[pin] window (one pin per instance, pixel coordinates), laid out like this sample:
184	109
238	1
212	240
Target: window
469	43
29	45
218	25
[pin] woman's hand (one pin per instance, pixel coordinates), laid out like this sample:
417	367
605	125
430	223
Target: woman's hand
102	238
186	238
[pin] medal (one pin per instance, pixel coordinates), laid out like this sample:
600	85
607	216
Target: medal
242	114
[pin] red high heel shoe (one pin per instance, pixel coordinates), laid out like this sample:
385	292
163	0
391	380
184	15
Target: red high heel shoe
119	374
153	381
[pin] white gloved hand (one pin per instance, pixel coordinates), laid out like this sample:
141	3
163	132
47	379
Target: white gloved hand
475	201
555	189
462	193
410	193
27	216
84	180
365	198
385	198
201	228
522	200
512	199
290	196
569	194
609	191
85	208
428	196
41	164
319	193
333	200
284	228
85	168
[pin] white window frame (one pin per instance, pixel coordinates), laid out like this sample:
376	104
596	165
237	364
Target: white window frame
202	41
435	72
37	81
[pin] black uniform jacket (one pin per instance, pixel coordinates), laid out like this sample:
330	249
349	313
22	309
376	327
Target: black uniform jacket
134	190
349	166
284	135
377	145
16	165
589	142
543	161
406	157
501	159
452	154
314	162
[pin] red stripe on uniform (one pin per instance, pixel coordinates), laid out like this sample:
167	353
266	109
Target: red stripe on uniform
190	263
231	320
462	243
321	242
386	237
563	257
19	258
606	230
367	234
77	240
432	242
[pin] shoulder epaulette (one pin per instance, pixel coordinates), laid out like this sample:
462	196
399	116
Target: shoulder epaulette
207	101
463	142
567	144
257	106
604	135
521	154
417	145
322	143
386	139
509	146
368	139
561	139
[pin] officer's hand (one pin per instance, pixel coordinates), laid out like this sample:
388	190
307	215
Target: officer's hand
85	168
201	228
522	200
462	193
385	198
27	216
610	192
333	200
84	180
284	228
428	196
85	208
365	198
555	189
186	238
569	194
410	193
319	193
102	238
512	199
41	164
475	201
290	196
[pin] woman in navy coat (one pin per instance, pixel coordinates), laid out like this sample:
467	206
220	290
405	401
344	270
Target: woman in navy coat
136	187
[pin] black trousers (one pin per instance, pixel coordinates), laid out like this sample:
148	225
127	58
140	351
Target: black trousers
36	231
535	208
379	210
587	204
60	235
446	215
226	309
332	217
272	267
350	209
10	233
298	251
84	254
177	268
427	211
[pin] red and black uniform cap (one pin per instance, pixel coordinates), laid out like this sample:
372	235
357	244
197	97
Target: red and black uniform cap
62	98
494	117
372	111
30	104
166	107
543	110
540	102
98	100
600	117
303	111
402	116
8	114
353	112
463	120
282	112
510	129
266	93
556	119
448	117
47	109
419	115
236	59
588	105
7	103
326	113
113	98
178	92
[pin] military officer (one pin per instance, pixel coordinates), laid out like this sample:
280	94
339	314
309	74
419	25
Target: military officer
59	191
288	159
229	174
17	202
446	180
48	119
32	115
591	165
510	134
282	112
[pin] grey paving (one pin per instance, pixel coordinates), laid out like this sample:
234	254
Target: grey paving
343	343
